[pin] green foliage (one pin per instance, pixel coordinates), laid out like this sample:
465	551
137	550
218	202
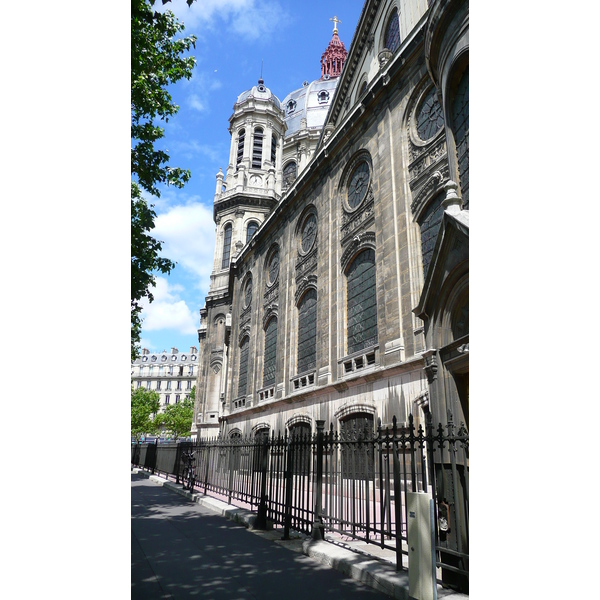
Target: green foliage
157	61
145	405
176	421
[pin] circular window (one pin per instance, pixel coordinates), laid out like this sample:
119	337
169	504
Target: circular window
309	233
248	294
273	267
358	184
429	116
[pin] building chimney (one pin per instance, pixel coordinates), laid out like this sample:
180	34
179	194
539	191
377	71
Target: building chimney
174	350
193	350
145	351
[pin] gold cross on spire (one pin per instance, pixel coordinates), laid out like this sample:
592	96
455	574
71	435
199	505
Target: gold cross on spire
335	23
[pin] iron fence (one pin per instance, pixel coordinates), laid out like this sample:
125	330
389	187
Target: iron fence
351	483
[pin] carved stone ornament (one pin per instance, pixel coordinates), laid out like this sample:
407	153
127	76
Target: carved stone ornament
360	242
384	57
431	365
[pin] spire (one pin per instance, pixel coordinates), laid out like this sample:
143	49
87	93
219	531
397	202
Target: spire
333	58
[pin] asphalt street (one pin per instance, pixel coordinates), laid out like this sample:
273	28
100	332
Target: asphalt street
180	549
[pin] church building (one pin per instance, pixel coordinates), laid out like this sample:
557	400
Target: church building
339	289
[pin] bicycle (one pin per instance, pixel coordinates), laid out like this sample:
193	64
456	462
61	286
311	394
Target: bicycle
189	473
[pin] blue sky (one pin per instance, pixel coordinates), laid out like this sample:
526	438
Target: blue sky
234	37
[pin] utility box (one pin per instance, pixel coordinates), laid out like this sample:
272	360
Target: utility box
421	556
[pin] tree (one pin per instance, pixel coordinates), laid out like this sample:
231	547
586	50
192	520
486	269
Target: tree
145	405
176	421
157	61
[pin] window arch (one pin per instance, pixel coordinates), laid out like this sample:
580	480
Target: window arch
392	32
240	146
270	359
243	370
226	245
460	127
257	148
307	331
251	230
362	301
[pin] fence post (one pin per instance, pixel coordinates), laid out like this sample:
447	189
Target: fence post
397	495
261	518
318	532
287	517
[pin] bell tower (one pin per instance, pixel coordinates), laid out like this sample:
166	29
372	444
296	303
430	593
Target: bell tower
245	195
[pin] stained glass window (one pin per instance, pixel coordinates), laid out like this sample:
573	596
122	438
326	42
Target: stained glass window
460	121
362	302
392	33
430	118
243	373
309	232
257	148
251	230
270	353
307	331
226	247
359	184
430	226
289	174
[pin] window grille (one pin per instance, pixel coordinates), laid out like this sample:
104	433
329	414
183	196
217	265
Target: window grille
460	121
257	149
270	353
362	302
226	247
307	331
240	148
243	373
392	33
251	230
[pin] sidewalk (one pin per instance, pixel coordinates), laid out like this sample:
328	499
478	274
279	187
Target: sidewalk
365	563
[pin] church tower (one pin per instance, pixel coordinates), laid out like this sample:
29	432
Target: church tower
245	195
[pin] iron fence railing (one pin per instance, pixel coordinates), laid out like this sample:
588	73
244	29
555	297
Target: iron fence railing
352	483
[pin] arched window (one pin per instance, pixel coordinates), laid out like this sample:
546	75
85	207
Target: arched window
362	302
460	123
240	146
226	246
307	331
243	372
273	149
392	32
300	436
270	362
289	174
257	148
358	461
251	230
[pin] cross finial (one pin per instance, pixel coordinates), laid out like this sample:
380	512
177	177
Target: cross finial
335	23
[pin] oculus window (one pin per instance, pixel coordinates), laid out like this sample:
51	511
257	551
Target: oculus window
289	174
309	233
358	185
429	116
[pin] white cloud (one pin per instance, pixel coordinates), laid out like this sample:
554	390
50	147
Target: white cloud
248	18
167	311
196	103
188	235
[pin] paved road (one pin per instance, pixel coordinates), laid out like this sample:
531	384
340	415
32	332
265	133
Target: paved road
182	550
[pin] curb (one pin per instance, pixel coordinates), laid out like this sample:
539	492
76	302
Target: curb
377	574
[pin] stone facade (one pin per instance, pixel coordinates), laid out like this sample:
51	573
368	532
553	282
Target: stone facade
326	312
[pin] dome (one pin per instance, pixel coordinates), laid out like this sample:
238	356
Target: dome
310	102
259	91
